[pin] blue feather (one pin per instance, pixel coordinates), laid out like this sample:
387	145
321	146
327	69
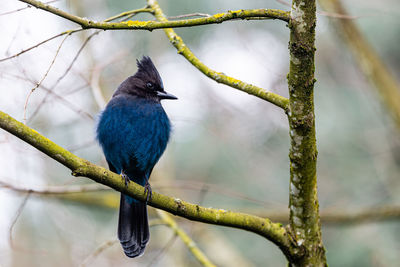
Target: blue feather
133	133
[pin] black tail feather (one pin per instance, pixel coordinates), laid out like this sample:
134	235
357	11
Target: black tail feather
133	226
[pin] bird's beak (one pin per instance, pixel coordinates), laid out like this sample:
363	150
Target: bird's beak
165	95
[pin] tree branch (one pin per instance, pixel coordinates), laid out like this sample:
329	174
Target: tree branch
191	245
219	77
78	193
274	232
152	25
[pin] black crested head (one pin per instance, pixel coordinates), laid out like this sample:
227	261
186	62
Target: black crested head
146	82
147	71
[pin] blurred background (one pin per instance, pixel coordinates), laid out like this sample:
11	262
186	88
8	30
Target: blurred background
228	149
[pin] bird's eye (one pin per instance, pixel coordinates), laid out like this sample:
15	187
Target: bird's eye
149	85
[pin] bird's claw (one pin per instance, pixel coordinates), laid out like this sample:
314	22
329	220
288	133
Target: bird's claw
148	191
125	177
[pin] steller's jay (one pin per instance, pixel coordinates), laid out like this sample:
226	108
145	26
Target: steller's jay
133	132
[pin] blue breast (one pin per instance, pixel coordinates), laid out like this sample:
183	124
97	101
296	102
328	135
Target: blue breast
133	133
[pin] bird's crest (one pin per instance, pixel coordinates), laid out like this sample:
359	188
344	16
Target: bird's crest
147	69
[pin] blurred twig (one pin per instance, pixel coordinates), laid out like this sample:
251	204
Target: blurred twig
95	79
62	99
368	59
324	13
197	253
365	215
92	256
221	249
35	112
40	43
162	251
130	13
190	15
343	217
17	214
23	8
44	77
53	190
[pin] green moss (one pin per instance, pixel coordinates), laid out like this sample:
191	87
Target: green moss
304	213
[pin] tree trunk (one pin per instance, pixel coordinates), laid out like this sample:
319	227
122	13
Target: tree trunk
303	201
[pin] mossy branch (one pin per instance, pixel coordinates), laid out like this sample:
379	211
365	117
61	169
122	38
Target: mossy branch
90	194
274	232
152	25
303	198
219	77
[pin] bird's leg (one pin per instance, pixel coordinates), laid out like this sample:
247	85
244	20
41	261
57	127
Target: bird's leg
148	191
125	177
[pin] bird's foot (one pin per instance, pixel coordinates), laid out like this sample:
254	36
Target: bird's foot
148	191
125	177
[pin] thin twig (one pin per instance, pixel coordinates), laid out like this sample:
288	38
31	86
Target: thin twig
92	256
202	194
95	86
82	145
68	104
44	77
17	214
190	15
53	190
77	89
338	15
130	13
163	250
62	76
23	8
62	99
326	14
95	80
10	45
40	43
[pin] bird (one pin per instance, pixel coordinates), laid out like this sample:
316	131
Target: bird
133	131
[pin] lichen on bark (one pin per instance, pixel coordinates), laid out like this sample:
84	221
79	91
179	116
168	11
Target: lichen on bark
303	201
